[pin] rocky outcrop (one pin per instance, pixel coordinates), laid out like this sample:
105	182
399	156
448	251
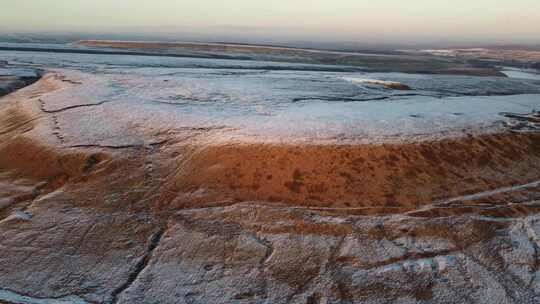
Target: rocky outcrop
523	122
392	85
12	79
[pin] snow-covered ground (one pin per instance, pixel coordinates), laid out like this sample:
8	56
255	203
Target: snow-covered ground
268	101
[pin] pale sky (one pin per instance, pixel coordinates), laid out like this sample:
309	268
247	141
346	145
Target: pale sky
362	19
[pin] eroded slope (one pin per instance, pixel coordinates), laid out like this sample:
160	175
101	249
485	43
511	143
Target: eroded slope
181	217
